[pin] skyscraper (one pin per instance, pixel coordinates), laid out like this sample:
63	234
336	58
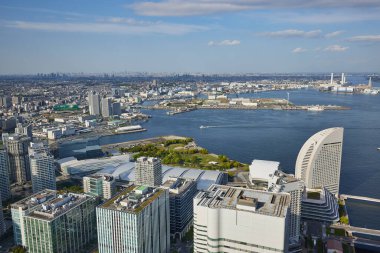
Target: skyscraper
2	224
43	171
148	171
319	160
5	192
232	219
134	221
17	148
116	109
47	222
106	107
94	103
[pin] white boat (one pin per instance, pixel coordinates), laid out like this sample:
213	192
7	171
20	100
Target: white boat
378	149
201	127
316	108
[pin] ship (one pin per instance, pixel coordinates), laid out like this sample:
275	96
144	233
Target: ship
130	129
316	108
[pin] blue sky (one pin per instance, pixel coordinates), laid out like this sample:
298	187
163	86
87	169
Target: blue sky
208	36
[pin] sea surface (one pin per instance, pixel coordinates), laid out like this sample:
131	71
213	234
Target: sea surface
245	135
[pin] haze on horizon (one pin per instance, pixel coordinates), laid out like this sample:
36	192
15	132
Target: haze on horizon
207	36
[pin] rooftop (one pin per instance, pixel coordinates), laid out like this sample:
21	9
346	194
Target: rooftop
265	203
133	199
59	205
34	200
261	169
177	185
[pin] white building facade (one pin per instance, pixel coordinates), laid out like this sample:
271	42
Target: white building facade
319	160
231	219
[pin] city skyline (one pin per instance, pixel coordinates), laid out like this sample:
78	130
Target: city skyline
197	36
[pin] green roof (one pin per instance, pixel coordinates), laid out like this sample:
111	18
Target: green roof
142	188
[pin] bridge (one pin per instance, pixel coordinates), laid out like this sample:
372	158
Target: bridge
346	196
353	229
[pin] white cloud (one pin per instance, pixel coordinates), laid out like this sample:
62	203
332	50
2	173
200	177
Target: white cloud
204	7
365	38
336	16
117	25
292	33
333	34
335	48
299	50
224	43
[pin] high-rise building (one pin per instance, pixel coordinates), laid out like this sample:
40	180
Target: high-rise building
319	160
49	222
134	221
42	171
106	107
24	130
181	194
370	82
116	109
5	192
16	100
267	176
7	101
232	219
2	224
17	148
94	103
36	147
332	78
148	171
99	185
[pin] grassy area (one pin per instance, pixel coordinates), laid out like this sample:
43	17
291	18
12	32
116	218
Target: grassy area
347	248
314	195
343	217
69	186
189	236
320	246
336	231
184	153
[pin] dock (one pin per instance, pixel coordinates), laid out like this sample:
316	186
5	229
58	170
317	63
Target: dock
346	196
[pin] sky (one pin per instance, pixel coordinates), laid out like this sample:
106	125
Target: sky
189	36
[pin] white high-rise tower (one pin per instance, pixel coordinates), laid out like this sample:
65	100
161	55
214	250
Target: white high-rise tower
370	82
94	103
148	171
319	160
332	78
343	81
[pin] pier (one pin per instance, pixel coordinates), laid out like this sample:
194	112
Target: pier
352	229
346	196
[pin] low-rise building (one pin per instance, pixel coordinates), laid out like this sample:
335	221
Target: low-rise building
320	205
99	185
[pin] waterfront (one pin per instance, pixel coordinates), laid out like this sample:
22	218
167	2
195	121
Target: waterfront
278	135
